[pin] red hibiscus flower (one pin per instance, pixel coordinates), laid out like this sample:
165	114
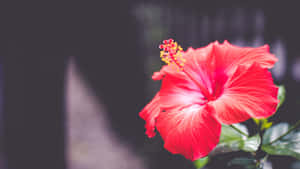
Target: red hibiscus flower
202	88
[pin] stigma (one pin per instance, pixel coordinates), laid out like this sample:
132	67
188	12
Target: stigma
171	53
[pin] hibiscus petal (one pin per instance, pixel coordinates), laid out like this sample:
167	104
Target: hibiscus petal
190	131
179	90
198	65
249	92
206	68
230	56
149	114
191	56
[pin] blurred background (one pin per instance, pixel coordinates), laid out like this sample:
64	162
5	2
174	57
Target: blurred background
74	75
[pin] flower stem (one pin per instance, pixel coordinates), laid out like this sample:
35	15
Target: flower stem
290	130
238	130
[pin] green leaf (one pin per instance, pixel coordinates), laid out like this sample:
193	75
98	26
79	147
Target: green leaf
231	139
251	144
228	134
274	132
281	95
288	145
200	163
244	162
281	150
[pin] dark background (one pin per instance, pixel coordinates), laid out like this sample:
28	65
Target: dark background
113	43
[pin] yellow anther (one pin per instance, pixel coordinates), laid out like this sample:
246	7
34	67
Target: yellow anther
172	53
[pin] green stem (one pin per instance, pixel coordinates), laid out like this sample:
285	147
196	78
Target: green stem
238	130
290	130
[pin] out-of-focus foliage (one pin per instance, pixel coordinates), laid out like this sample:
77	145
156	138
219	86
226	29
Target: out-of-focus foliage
200	163
244	162
281	95
232	140
275	144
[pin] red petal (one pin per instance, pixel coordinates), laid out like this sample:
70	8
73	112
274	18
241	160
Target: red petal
230	56
189	131
179	90
205	67
199	65
249	92
149	114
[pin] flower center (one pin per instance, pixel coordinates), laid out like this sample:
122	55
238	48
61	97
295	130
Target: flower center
171	53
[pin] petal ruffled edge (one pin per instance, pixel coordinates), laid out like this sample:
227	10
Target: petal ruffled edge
149	114
230	56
